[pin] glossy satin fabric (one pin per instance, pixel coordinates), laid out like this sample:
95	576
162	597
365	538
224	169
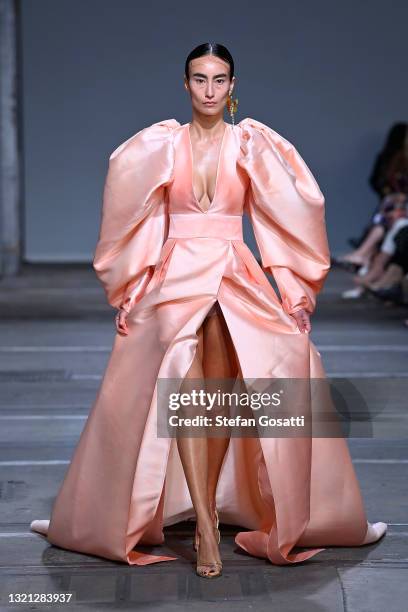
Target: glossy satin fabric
168	263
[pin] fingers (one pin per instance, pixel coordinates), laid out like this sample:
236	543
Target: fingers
304	324
121	324
303	321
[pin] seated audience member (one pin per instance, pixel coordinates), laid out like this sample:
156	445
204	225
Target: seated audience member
387	267
389	175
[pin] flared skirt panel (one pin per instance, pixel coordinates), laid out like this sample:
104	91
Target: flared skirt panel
125	483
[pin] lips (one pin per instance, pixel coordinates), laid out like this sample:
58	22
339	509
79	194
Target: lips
209	103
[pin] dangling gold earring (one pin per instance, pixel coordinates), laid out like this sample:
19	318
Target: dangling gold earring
232	106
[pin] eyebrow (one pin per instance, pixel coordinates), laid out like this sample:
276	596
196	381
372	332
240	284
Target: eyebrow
216	76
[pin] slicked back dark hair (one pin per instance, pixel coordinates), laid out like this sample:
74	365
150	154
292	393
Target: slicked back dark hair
210	49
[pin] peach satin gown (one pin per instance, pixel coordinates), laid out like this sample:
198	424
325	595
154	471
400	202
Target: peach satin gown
167	262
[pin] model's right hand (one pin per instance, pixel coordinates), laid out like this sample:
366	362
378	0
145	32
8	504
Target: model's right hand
302	318
121	324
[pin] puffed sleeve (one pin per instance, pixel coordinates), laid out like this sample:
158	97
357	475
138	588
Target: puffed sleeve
134	219
287	212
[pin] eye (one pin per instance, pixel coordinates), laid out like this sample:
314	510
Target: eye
220	81
199	80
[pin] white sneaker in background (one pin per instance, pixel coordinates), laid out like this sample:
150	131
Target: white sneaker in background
353	294
363	270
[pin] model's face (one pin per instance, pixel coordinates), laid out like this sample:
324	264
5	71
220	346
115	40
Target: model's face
209	84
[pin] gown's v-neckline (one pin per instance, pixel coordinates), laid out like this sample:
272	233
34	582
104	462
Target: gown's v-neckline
219	164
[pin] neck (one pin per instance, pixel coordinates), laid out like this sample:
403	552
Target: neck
207	126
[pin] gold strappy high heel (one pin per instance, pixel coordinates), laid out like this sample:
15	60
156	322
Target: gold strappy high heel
208	569
217	522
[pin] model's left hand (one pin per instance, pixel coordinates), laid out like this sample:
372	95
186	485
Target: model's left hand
121	323
303	320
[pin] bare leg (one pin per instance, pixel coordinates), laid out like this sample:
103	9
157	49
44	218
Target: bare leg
366	250
194	458
218	362
393	274
375	272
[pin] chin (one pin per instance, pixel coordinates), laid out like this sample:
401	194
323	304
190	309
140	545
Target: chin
210	110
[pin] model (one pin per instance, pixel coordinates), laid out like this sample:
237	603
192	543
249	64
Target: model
195	304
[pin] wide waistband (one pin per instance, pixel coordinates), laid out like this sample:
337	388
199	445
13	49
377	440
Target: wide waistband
205	225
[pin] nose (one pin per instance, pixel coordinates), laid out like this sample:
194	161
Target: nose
209	91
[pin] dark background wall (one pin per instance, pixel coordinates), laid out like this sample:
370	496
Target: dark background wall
328	76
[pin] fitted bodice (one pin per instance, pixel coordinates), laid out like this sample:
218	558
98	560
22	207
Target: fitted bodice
150	212
231	184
